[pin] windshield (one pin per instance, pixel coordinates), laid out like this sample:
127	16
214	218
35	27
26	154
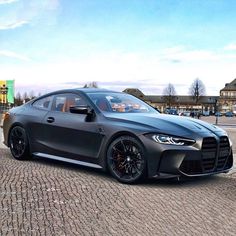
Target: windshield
120	103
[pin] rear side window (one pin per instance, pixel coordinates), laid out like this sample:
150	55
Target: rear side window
43	103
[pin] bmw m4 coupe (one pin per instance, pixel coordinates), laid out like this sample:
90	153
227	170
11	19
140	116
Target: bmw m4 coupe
117	132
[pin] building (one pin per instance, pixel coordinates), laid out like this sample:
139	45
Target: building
227	99
181	103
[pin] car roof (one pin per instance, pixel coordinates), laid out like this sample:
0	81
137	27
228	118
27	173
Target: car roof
82	90
94	90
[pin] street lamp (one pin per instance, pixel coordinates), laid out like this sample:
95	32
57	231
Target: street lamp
216	111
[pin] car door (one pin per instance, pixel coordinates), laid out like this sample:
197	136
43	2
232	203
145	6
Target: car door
70	135
35	116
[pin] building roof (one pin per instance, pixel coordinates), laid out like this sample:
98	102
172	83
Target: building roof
181	99
230	86
176	99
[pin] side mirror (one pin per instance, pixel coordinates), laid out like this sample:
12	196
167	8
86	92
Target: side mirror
84	110
79	110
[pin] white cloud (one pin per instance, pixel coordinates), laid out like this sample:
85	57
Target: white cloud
44	11
14	55
7	1
230	47
13	25
181	54
172	50
198	55
29	12
116	70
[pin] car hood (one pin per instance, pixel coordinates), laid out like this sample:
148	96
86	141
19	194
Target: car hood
169	124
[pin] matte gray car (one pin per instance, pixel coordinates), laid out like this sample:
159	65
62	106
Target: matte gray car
116	132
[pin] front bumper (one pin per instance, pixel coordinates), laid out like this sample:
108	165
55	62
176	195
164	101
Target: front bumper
214	156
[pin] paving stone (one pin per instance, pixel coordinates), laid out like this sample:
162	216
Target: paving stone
43	197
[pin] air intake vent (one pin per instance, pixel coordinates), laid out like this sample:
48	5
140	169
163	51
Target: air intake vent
209	148
224	152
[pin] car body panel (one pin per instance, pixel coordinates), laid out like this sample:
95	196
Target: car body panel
75	137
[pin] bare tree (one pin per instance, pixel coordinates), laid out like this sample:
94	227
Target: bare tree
169	93
18	99
93	84
32	95
197	89
25	97
18	96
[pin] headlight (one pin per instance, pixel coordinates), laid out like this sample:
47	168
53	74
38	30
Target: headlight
230	142
167	139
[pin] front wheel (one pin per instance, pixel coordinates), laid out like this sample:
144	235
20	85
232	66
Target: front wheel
19	144
126	160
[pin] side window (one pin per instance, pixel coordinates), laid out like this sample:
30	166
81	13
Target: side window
43	103
58	102
63	102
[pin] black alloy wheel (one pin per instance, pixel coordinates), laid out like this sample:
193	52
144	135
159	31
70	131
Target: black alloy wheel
125	159
19	144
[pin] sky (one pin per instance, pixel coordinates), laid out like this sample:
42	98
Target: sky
47	45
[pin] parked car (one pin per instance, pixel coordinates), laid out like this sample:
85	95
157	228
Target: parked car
186	113
117	132
218	113
206	113
171	111
229	114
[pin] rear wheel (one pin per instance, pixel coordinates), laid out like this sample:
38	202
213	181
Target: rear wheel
126	160
19	144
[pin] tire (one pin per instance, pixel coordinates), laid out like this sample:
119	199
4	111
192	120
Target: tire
19	144
126	160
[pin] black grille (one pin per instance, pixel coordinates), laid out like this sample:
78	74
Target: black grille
191	167
215	156
224	152
209	149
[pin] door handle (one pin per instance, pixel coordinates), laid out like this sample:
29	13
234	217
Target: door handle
50	119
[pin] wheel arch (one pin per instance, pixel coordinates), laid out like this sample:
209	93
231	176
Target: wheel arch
135	139
118	135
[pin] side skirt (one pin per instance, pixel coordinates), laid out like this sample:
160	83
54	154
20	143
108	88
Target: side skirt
82	163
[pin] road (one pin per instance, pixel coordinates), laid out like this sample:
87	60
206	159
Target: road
43	197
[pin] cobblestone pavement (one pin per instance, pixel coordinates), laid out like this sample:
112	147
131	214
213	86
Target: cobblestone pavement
222	120
43	197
